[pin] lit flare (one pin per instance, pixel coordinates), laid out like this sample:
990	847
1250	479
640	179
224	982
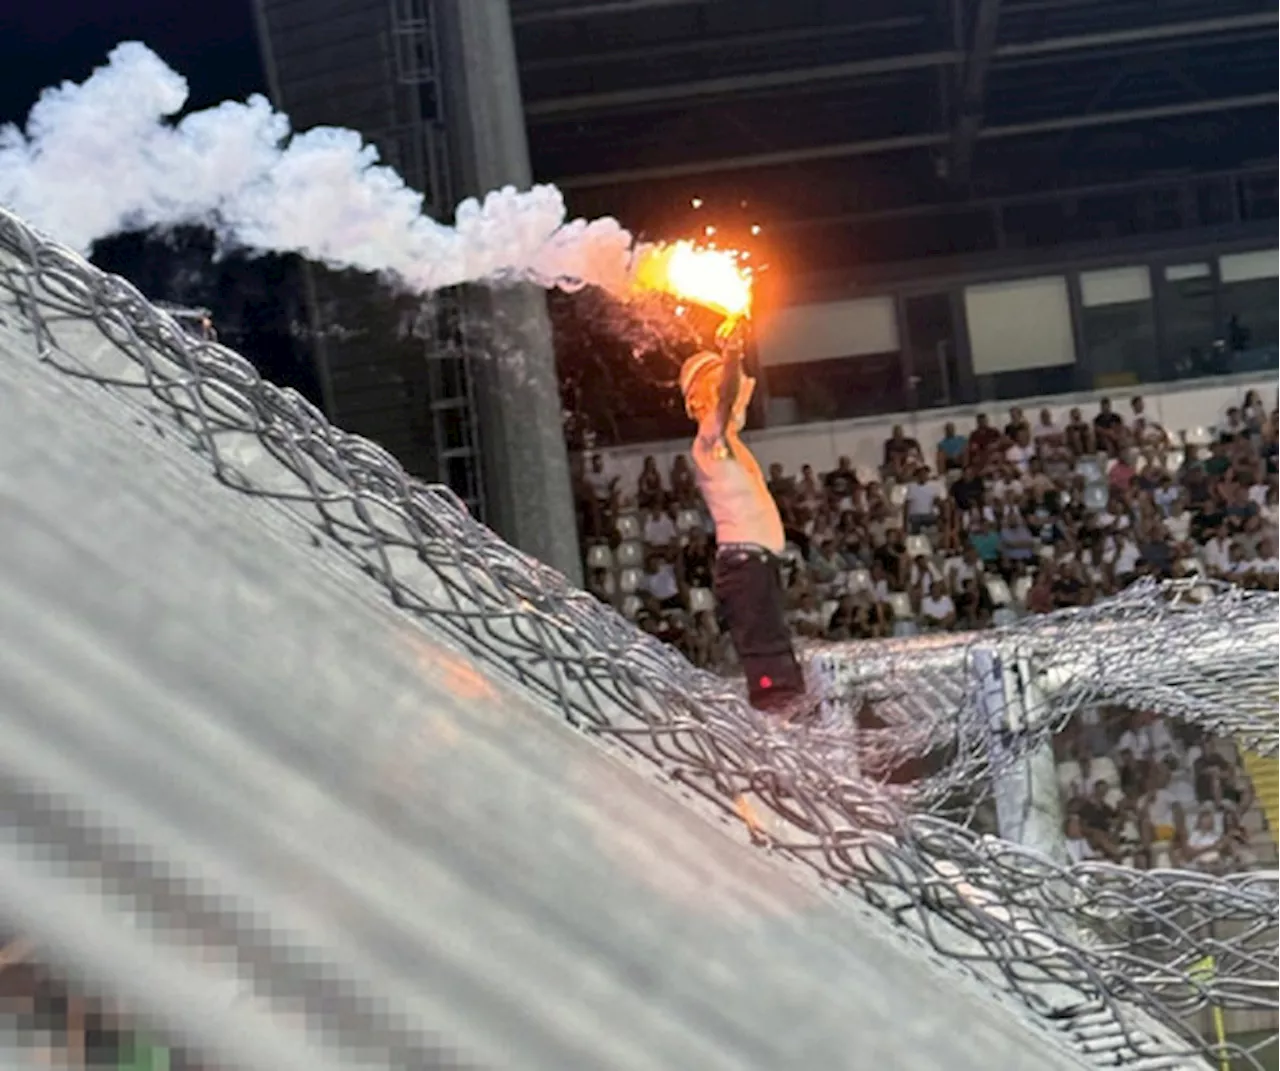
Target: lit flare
712	278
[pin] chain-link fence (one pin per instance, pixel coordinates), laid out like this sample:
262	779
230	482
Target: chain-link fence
1113	958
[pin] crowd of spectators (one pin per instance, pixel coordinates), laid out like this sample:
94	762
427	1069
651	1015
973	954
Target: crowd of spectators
1144	792
986	525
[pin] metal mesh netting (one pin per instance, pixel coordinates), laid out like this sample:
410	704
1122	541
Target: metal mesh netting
1127	964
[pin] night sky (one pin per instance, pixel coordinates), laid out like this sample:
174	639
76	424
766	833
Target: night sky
43	42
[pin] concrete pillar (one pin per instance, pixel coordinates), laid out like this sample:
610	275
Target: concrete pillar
528	492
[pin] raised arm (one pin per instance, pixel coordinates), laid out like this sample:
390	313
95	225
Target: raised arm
730	384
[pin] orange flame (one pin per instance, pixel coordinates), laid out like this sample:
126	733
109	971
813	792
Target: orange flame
713	278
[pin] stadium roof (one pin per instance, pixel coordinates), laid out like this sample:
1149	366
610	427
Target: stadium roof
812	110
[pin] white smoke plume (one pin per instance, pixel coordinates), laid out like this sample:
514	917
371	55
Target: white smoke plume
106	156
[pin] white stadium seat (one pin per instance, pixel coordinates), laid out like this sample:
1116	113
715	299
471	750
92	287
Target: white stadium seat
998	592
631	605
628	527
701	599
859	580
900	604
918	545
898	495
600	556
687	520
1020	588
629	581
630	555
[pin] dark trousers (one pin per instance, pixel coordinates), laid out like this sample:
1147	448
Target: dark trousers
749	597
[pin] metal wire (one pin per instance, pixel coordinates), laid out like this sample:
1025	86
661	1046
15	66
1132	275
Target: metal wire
1112	958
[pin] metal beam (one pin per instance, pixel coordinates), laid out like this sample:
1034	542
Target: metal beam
603	7
683	92
973	89
910	141
711	44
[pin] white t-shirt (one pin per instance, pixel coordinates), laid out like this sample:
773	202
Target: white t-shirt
1047	431
1178	525
922	499
1160	807
662	584
959	570
1019	456
1127	558
937	609
600	483
1217	553
659	530
1148	741
1258	494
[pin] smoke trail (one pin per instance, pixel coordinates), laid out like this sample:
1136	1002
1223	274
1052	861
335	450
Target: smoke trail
104	156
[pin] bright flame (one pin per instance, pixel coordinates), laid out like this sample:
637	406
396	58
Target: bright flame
712	278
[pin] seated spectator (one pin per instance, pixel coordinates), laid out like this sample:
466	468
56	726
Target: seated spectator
649	492
937	611
1146	432
1078	435
781	486
1108	429
1020	451
900	452
807	618
660	582
952	448
920	511
1122	472
659	529
892	555
662	626
1147	737
1078	847
1017	544
966	567
825	560
922	574
604	492
986	542
973	604
808	494
1164	814
1017	423
983	440
1046	431
684	489
1070	585
840	484
1040	595
696	560
967	492
1206	844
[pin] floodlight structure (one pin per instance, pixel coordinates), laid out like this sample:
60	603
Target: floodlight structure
1125	967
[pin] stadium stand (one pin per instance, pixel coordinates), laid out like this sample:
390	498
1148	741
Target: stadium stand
986	526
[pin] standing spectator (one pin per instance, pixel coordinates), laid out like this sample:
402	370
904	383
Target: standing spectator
952	448
967	491
807	618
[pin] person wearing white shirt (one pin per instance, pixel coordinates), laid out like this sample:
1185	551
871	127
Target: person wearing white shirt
1125	557
1217	552
660	581
659	528
1204	842
1046	430
968	567
921	506
1258	494
1019	456
936	609
1178	525
1078	848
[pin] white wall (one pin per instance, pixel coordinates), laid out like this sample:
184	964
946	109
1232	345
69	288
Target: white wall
830	329
1177	406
